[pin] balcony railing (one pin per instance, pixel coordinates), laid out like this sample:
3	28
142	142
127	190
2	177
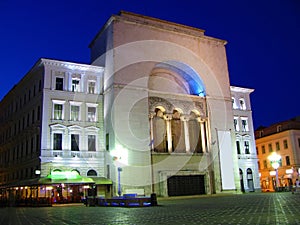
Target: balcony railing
71	154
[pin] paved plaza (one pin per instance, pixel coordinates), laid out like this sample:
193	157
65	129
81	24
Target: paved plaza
251	208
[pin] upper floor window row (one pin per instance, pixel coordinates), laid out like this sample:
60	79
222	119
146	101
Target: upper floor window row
240	104
77	83
74	111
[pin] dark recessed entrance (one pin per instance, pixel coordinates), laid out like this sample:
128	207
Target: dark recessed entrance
186	185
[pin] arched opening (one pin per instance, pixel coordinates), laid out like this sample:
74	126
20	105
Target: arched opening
176	77
91	173
159	131
242	181
177	129
250	180
195	133
76	171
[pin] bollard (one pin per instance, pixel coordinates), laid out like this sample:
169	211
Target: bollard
153	199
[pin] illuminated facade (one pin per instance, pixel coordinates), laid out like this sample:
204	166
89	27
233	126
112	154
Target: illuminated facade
152	113
245	142
168	113
52	131
282	138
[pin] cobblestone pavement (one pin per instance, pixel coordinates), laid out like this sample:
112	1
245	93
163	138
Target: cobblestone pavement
251	208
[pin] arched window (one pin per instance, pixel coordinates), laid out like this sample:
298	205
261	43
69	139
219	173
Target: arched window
76	171
250	179
195	133
91	173
160	134
178	143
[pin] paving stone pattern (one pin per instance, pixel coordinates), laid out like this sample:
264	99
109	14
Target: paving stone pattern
250	208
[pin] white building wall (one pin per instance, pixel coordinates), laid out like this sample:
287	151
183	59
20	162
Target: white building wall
139	44
83	160
246	161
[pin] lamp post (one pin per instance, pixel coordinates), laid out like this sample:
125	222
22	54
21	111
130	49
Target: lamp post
119	181
275	163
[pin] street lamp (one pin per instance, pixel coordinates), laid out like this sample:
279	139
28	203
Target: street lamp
275	163
119	181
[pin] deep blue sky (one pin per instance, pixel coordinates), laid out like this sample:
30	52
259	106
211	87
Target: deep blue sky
263	40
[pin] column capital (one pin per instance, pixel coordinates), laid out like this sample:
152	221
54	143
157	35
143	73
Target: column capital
168	116
185	117
151	115
201	119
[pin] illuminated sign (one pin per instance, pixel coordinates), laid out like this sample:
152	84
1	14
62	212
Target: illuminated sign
61	175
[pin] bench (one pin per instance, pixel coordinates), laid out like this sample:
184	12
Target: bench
125	201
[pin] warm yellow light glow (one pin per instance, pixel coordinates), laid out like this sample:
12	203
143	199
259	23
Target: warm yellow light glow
272	173
274	159
49	188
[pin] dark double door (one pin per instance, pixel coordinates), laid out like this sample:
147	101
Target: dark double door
186	185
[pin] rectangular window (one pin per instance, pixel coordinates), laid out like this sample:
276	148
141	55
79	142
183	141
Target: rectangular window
238	148
37	144
242	104
91	142
74	112
32	117
285	144
287	160
32	145
245	125
91	87
236	125
265	164
299	142
263	149
91	114
247	149
75	85
233	103
59	83
38	113
57	141
279	128
58	110
107	141
74	142
277	146
270	148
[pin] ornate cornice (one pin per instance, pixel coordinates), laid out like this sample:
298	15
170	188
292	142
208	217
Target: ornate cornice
71	65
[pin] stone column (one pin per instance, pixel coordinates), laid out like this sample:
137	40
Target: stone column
185	119
203	136
168	118
151	115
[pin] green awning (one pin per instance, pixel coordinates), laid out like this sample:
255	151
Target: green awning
101	180
79	180
50	180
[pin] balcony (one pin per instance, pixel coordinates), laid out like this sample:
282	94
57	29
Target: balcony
71	154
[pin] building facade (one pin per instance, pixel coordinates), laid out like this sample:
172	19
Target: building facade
153	113
52	128
282	139
245	142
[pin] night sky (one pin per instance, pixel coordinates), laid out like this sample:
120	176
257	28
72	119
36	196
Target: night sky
262	51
